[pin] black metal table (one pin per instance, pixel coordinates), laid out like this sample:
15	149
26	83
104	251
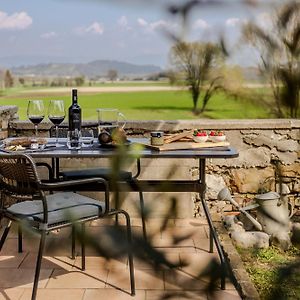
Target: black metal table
198	185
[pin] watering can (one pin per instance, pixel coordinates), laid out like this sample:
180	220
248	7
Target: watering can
273	213
224	194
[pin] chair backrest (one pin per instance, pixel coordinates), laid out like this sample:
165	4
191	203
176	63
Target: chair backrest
18	176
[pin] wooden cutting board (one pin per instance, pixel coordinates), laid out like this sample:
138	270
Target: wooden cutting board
185	145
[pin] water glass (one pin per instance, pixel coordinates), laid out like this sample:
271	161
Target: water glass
74	140
87	137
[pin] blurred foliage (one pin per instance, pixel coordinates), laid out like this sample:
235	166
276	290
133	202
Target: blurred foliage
279	48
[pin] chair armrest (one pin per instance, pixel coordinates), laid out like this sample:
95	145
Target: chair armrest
49	168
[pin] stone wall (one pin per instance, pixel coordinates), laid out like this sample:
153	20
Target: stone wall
7	114
261	145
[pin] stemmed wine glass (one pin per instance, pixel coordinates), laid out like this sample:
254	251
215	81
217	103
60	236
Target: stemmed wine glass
56	114
36	113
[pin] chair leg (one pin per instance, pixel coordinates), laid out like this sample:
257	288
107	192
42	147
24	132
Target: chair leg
117	195
73	243
20	239
83	247
38	265
130	255
5	233
143	216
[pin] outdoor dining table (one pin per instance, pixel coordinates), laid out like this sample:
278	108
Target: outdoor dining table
140	185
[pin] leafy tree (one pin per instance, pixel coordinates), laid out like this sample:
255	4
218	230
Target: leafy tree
22	80
8	79
193	63
79	81
279	48
112	75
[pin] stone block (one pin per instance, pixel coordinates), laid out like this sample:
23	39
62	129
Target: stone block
292	170
3	134
250	180
251	157
250	239
214	184
286	158
294	134
4	123
287	146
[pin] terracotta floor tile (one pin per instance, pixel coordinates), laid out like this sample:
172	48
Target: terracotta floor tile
22	277
175	295
171	257
12	261
196	263
112	294
119	279
55	294
224	295
48	262
78	279
178	280
202	245
11	293
96	262
177	249
144	279
148	279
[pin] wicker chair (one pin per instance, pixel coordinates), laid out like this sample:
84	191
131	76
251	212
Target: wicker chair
30	205
106	174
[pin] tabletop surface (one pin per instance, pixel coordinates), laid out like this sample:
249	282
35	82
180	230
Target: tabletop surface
132	149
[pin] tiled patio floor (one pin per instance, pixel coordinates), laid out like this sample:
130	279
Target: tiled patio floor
61	277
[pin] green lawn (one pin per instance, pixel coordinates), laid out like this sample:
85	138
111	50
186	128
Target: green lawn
167	105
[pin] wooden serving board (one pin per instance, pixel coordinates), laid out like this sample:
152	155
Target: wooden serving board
185	145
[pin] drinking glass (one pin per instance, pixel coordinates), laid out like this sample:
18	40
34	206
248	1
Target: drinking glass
87	137
56	114
36	113
109	119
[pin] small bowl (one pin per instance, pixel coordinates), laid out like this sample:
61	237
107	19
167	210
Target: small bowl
200	139
218	138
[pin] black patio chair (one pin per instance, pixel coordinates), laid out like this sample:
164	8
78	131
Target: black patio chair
105	173
24	199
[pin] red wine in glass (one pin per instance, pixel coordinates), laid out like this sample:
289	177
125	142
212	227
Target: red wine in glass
36	113
56	114
36	120
56	120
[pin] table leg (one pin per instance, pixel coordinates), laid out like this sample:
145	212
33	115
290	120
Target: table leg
213	234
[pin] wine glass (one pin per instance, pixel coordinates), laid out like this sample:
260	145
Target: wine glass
56	114
36	113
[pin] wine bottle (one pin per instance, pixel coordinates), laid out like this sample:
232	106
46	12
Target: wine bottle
74	122
74	113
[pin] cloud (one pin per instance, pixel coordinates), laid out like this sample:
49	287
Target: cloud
232	22
156	26
16	21
94	28
123	23
48	35
142	22
200	24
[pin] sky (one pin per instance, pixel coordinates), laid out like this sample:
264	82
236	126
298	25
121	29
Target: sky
35	31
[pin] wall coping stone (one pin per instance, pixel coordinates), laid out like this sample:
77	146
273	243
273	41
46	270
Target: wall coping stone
176	125
8	108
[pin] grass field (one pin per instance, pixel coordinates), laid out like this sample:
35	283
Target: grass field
154	105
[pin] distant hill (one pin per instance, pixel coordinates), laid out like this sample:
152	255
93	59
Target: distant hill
92	69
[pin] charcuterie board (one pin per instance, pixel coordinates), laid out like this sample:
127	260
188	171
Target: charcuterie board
186	146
